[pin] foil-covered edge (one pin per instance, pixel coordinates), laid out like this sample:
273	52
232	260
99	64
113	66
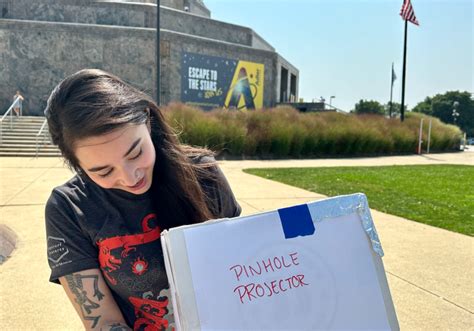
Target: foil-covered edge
348	204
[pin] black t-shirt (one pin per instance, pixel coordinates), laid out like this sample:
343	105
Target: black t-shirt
90	227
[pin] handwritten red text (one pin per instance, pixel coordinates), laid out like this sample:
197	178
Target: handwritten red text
255	290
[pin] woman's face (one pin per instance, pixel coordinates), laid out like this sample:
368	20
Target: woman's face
122	159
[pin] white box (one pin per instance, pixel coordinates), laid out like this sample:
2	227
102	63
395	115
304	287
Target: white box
306	267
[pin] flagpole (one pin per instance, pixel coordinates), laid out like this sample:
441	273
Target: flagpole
391	92
402	107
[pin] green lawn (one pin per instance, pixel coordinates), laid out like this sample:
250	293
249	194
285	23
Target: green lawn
438	195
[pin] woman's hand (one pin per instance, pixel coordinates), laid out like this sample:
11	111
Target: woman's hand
93	301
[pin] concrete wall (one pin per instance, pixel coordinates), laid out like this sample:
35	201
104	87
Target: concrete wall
83	11
282	62
200	26
35	56
43	41
129	14
260	43
197	7
176	4
79	11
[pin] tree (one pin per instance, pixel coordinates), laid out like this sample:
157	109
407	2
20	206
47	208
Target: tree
442	106
424	107
369	107
395	109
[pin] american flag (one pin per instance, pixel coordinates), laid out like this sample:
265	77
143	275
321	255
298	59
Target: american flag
393	75
407	12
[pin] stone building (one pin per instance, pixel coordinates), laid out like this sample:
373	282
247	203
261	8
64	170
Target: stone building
203	61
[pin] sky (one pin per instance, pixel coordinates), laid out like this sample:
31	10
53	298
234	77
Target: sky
345	48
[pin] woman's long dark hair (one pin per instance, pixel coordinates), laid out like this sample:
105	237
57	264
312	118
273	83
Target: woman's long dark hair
93	102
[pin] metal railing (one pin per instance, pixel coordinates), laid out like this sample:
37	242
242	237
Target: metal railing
38	135
16	104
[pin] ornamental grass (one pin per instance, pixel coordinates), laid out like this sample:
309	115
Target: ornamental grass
283	132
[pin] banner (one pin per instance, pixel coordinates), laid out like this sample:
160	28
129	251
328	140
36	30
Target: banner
214	82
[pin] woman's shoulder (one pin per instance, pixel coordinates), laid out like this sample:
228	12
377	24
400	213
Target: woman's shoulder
76	183
62	199
75	198
75	190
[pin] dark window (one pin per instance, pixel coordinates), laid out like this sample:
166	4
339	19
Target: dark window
293	88
284	85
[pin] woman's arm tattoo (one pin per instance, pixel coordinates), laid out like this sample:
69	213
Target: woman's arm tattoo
75	283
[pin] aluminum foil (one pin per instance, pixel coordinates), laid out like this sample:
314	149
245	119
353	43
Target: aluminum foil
345	205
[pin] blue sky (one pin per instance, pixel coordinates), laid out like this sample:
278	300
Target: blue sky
345	48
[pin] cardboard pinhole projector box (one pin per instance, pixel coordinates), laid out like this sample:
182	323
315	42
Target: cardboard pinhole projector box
315	266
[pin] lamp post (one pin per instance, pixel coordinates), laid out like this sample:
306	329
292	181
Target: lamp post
158	60
330	100
455	114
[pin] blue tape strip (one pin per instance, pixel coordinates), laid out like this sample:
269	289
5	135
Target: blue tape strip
296	221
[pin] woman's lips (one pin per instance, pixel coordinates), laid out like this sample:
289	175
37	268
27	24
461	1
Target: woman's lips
141	183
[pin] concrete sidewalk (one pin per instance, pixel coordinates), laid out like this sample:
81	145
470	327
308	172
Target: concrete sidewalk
430	271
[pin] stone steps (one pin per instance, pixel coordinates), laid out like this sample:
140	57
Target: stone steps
24	140
30	147
20	140
29	154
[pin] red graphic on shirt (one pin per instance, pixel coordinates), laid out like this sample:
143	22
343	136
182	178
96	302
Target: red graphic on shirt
149	314
139	266
109	262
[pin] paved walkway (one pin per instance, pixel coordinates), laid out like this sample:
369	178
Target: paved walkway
430	271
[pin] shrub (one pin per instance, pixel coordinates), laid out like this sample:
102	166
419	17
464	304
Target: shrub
284	132
298	140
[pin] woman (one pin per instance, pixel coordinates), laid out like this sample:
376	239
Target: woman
133	179
17	107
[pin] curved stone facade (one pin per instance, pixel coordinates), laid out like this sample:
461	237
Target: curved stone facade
43	41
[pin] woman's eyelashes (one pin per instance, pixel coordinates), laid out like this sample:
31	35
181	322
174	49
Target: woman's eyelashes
131	159
106	174
138	155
